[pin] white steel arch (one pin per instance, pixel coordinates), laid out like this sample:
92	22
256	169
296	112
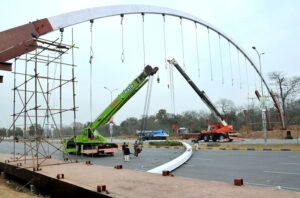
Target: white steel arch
80	16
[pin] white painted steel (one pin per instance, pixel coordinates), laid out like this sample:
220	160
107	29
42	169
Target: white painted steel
175	163
80	16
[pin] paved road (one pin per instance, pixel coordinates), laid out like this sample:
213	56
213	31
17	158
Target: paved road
266	168
148	158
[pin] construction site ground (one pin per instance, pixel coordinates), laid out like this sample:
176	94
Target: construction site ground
267	168
8	191
274	134
129	183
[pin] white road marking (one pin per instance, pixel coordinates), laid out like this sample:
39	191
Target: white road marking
285	173
291	163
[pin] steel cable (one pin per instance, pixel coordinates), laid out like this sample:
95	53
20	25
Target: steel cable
221	59
230	62
182	45
197	50
122	32
209	51
91	70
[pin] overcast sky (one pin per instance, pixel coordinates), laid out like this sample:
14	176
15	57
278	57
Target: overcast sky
272	26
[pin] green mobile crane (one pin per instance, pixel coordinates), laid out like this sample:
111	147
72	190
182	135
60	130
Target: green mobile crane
90	141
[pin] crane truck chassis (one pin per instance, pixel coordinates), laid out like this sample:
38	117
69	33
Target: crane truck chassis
90	141
222	131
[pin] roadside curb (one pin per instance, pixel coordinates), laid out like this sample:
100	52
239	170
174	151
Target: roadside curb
221	148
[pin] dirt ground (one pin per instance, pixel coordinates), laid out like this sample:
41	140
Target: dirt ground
274	134
8	192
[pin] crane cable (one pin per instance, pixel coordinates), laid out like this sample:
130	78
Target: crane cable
230	62
255	85
147	104
209	51
143	33
91	70
247	80
238	56
221	59
197	50
172	88
122	34
182	46
165	46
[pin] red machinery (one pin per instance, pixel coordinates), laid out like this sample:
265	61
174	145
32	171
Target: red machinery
222	131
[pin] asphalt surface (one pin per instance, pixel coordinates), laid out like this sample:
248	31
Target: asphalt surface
147	159
265	168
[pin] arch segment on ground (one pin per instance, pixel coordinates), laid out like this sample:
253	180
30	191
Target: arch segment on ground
19	40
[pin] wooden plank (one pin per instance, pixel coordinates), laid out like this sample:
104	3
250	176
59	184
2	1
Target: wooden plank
5	66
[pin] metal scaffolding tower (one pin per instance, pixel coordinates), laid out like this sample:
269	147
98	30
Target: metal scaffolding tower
44	79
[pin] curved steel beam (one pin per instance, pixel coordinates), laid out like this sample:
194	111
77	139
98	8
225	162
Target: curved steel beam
72	18
76	17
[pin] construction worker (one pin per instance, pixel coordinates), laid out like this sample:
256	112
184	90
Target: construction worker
126	153
136	149
123	149
196	145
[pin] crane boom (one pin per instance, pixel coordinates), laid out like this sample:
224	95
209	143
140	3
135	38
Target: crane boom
200	93
116	104
90	141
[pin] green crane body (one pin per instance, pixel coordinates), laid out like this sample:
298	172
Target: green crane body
90	138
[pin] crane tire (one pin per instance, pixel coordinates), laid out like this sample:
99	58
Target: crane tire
206	138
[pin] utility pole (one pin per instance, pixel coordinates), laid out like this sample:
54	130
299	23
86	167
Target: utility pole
110	124
262	98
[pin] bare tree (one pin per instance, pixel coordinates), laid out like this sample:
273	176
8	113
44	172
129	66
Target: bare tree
226	105
285	87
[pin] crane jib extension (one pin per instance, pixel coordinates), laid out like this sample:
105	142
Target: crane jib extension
90	141
199	92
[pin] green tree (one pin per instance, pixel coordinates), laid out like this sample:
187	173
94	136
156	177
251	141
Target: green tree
32	130
2	132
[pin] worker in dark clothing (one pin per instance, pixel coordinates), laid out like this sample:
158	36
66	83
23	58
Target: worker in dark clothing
126	153
123	149
136	148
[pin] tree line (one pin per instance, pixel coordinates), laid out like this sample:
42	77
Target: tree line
286	89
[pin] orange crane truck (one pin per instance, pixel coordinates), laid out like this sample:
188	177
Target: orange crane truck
222	131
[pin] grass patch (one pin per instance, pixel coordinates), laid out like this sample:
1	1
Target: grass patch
214	144
166	143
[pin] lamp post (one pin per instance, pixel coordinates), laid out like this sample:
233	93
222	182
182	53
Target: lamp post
110	127
259	58
262	99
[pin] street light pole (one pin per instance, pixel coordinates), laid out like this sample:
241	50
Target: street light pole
259	58
110	128
262	99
